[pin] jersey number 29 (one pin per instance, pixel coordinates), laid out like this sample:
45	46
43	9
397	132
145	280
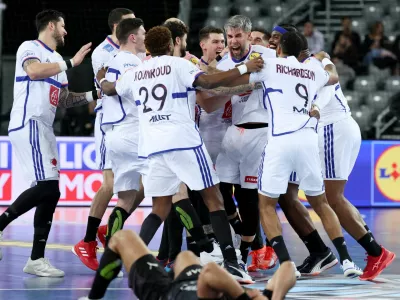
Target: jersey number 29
155	95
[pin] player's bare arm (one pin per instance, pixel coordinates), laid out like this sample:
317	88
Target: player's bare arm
224	78
107	87
38	70
69	99
329	67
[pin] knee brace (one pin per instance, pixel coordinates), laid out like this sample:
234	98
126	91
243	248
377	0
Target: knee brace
249	212
226	191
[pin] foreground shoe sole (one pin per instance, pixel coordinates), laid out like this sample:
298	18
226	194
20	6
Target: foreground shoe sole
352	273
385	264
324	268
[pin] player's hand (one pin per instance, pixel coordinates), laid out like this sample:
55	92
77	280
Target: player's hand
225	51
314	112
255	65
101	74
321	55
80	55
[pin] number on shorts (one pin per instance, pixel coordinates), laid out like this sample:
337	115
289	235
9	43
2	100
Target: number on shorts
161	98
301	87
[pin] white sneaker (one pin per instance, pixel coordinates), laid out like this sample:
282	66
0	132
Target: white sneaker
350	269
238	273
120	274
1	239
42	267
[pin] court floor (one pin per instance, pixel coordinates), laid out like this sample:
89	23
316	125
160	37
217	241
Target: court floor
69	226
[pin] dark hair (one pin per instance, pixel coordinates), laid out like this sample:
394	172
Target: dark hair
127	27
158	40
45	17
116	15
304	42
291	44
205	32
345	18
177	29
266	34
289	27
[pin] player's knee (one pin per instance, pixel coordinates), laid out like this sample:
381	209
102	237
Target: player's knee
186	257
51	189
121	238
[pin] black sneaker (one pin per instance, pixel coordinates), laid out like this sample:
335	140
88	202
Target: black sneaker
316	263
237	272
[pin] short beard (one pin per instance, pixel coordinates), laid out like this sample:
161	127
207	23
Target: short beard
59	39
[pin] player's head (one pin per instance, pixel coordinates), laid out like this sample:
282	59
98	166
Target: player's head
176	20
305	52
259	36
277	33
158	41
179	33
290	45
212	41
132	31
52	21
238	30
117	15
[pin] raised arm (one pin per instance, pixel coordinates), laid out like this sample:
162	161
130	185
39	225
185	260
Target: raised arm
39	70
69	99
328	66
226	78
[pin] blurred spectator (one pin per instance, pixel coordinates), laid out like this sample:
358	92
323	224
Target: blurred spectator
260	36
346	51
347	30
376	48
314	38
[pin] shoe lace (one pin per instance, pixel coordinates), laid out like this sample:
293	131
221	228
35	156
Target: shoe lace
47	263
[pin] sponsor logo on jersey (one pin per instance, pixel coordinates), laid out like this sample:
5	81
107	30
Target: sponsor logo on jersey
54	93
227	110
254	55
387	173
157	118
251	179
108	48
194	60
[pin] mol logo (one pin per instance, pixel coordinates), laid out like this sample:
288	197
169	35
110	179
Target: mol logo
387	173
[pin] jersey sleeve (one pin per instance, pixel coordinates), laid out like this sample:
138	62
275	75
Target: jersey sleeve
321	77
124	84
28	50
261	75
187	72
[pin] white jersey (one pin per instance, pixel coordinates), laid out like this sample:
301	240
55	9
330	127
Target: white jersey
160	88
247	107
101	55
290	88
35	99
333	104
121	108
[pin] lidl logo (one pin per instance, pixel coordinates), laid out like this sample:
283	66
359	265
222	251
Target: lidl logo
254	55
387	173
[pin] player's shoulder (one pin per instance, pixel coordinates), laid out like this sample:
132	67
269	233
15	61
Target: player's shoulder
258	50
30	44
104	49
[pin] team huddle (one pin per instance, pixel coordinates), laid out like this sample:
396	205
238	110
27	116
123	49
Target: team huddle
244	122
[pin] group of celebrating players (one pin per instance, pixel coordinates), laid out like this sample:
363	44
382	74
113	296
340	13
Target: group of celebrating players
249	121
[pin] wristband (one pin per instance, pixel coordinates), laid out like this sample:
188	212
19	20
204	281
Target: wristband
218	58
91	96
72	62
101	81
63	65
242	69
326	62
68	63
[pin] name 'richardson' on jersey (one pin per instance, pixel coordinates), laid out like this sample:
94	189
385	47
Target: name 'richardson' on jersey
301	73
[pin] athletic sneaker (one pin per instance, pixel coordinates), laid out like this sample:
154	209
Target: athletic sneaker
216	255
162	262
270	258
42	267
375	265
169	266
316	263
350	269
1	239
101	234
87	254
237	272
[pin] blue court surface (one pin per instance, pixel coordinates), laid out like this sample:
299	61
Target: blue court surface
69	226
